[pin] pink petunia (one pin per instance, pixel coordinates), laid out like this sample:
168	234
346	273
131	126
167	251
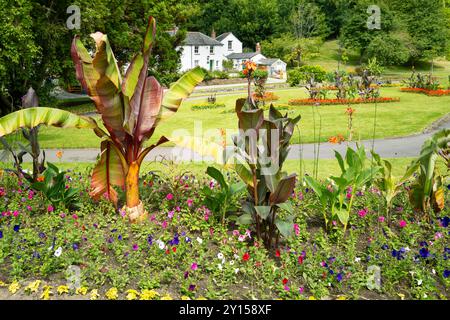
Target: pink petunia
50	208
194	266
362	213
189	202
381	219
169	196
402	223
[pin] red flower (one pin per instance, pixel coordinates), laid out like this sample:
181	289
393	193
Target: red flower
277	253
167	251
246	256
285	281
174	249
300	259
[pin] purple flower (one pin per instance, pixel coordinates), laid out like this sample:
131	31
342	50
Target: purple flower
339	277
16	228
135	247
150	240
424	253
75	246
445	222
186	274
446	273
119	237
191	287
1	234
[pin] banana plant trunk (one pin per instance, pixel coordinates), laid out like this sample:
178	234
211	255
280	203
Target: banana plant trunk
134	207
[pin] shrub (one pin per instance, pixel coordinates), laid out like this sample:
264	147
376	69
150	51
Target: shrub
207	106
300	75
220	75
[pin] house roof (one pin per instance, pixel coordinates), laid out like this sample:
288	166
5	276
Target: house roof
269	61
200	39
223	36
243	55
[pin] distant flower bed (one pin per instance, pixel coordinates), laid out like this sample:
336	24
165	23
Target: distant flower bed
434	93
207	106
302	102
268	96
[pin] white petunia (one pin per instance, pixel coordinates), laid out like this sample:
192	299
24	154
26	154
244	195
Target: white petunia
357	259
219	266
199	240
236	270
419	282
220	256
160	244
231	262
58	252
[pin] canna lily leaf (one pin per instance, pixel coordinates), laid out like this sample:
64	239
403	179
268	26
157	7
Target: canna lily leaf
144	153
343	216
287	206
110	171
32	117
218	176
284	190
263	211
149	112
244	219
286	227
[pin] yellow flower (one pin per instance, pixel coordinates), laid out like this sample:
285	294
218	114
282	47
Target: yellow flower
341	298
312	298
46	293
82	291
112	294
62	289
13	287
132	294
149	294
94	294
33	286
2	284
201	298
167	297
401	295
185	298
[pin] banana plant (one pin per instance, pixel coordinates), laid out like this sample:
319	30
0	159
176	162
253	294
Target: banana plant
28	120
428	189
388	185
130	108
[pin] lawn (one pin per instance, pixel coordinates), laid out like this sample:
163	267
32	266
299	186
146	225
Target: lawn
409	116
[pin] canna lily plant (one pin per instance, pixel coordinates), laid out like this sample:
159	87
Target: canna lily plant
131	108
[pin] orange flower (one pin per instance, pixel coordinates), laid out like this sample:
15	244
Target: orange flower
250	65
336	139
59	154
350	111
40	178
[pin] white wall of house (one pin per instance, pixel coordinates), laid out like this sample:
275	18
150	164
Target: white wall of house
231	44
208	57
238	63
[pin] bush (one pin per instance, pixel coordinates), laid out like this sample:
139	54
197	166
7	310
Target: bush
220	75
259	74
300	75
207	106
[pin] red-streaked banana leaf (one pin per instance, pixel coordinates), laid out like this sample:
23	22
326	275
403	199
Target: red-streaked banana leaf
179	91
32	117
283	190
110	171
134	84
100	77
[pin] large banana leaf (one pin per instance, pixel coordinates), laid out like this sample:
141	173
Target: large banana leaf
32	117
179	91
135	80
100	77
110	171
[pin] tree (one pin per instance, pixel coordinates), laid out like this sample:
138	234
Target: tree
35	42
308	21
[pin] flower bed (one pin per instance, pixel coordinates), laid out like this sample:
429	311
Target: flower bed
207	106
434	93
268	96
303	102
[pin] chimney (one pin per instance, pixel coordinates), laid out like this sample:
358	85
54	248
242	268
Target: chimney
258	48
213	34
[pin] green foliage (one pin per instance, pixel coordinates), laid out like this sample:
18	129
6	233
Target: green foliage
269	188
227	64
54	188
224	200
389	49
207	106
301	75
337	195
428	190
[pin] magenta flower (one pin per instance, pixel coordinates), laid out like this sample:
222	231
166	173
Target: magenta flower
29	208
362	213
169	196
16	213
170	214
194	266
296	229
402	223
381	219
190	202
164	224
50	208
135	247
74	216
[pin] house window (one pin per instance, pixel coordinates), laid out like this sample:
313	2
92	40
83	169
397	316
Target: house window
196	63
230	45
207	59
196	49
211	50
217	63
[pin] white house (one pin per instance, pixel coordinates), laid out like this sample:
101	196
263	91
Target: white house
207	52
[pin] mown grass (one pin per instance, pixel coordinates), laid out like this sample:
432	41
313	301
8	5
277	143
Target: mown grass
411	115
